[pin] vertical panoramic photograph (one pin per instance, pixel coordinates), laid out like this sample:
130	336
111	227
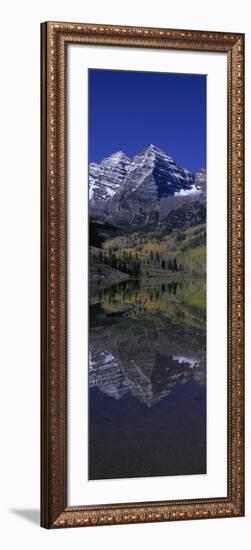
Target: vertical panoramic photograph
147	274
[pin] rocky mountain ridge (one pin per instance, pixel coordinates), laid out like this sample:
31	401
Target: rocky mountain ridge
145	189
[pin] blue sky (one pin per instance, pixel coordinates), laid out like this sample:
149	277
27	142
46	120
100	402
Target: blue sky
128	110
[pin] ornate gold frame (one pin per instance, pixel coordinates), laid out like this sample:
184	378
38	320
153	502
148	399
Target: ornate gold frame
54	509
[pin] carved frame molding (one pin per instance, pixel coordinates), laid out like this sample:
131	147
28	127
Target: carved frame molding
54	40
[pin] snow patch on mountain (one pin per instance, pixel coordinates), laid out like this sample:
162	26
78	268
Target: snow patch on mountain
185	192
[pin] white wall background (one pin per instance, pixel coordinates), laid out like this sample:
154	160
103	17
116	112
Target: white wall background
19	303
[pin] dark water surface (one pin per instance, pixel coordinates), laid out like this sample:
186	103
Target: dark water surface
147	379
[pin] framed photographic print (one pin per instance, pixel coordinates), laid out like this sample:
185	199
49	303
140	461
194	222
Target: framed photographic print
142	377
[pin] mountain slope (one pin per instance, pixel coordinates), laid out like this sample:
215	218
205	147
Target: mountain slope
106	178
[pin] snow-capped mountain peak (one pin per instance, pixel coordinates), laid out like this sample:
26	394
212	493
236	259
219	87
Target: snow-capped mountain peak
106	178
136	190
154	172
119	156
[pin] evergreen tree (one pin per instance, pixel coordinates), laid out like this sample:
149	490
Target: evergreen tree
114	261
174	266
157	257
100	257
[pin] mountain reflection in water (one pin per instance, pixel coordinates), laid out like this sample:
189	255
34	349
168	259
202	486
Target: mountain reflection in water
147	341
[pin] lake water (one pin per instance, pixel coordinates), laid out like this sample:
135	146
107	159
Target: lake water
147	379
